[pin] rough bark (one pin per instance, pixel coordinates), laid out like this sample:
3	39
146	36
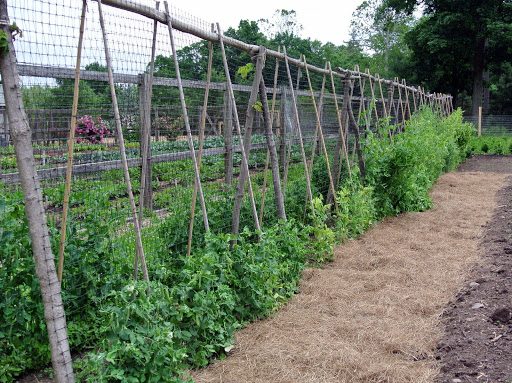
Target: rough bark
274	159
336	166
478	73
34	209
240	188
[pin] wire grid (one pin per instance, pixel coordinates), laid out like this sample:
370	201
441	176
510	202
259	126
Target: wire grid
101	241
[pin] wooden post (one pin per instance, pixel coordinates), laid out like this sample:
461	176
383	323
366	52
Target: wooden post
249	121
34	210
319	124
71	143
146	190
301	143
479	121
282	129
185	117
344	150
270	141
407	102
228	138
245	163
122	147
295	127
279	197
201	142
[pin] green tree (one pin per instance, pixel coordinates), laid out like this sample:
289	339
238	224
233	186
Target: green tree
381	31
460	39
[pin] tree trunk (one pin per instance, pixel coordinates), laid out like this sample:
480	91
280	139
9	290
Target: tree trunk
478	72
487	93
34	209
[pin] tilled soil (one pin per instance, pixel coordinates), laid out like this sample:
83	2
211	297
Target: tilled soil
477	344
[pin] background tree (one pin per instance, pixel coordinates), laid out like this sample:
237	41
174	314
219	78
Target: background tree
380	31
461	39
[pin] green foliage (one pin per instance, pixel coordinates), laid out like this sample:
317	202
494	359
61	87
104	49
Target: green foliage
4	44
357	210
21	310
191	314
490	145
401	173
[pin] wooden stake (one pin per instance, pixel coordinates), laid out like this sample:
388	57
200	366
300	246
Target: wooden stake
259	59
301	143
319	124
279	197
245	163
479	121
201	142
374	101
122	147
185	117
146	139
290	140
274	94
407	105
344	143
71	143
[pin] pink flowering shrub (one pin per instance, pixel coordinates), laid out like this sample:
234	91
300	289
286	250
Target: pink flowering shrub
172	128
91	129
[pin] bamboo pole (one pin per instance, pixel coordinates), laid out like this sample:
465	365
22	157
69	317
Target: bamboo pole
122	147
374	101
315	139
146	137
344	143
274	94
289	152
201	143
276	179
407	102
185	117
317	127
414	94
401	107
301	143
259	60
245	163
319	124
71	143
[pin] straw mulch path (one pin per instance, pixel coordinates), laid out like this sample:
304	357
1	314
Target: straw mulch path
374	314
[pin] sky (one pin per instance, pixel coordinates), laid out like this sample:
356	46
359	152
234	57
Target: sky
325	22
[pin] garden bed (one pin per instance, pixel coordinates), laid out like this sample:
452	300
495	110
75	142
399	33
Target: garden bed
378	312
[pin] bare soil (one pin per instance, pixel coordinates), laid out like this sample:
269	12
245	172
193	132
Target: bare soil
397	304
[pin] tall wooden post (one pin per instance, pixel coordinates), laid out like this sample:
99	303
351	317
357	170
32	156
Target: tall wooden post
227	112
479	121
36	216
145	137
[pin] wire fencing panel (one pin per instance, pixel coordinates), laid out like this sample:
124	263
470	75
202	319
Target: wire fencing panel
100	248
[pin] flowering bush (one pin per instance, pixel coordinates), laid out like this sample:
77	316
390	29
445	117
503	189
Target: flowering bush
91	129
171	128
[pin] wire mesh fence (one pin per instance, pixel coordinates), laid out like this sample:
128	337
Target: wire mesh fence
314	117
493	125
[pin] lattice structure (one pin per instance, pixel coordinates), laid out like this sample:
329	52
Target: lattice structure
180	146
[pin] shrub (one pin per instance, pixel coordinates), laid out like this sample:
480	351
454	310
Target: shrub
172	128
91	129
